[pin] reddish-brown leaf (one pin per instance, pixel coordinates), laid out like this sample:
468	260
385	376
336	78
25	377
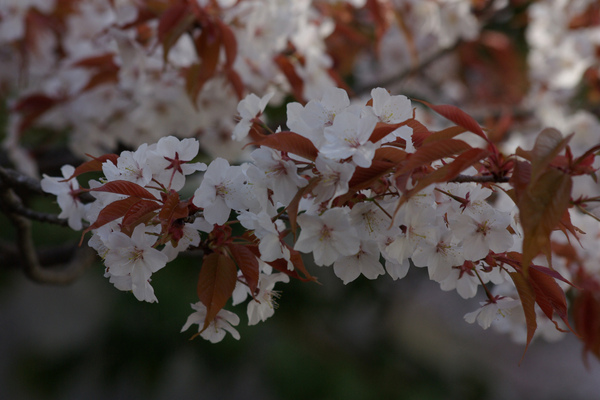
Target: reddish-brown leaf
247	263
444	134
586	316
527	296
215	284
281	265
382	130
176	20
113	211
541	207
229	43
364	177
290	73
457	116
420	132
430	152
94	165
125	187
390	154
139	212
172	210
290	142
549	296
32	107
548	145
292	208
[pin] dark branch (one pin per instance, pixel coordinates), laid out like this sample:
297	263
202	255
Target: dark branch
60	275
479	179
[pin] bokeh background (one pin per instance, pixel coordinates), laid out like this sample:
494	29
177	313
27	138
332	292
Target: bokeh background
369	340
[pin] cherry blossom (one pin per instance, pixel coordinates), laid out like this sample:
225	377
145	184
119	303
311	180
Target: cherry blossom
66	192
327	236
136	257
215	332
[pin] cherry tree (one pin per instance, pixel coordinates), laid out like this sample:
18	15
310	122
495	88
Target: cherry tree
169	110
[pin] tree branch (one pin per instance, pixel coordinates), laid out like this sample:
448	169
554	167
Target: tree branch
479	179
59	275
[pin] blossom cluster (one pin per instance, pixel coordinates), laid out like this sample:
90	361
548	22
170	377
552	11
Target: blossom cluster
328	176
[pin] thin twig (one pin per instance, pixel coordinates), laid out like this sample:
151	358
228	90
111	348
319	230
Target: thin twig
59	275
479	179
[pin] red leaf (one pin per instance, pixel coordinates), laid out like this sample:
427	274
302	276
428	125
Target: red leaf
32	107
292	208
289	71
541	207
215	284
457	116
247	263
113	211
549	296
382	130
527	296
390	154
94	165
172	24
548	145
229	44
281	265
420	132
140	212
364	177
172	210
447	133
125	187
430	152
586	316
290	142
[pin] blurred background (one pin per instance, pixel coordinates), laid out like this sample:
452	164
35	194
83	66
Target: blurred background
383	339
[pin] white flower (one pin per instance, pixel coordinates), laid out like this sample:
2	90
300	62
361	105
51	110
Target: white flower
131	166
328	236
480	233
491	311
134	256
348	136
216	330
171	161
249	108
264	305
66	195
310	121
334	179
390	109
219	191
282	175
438	252
365	261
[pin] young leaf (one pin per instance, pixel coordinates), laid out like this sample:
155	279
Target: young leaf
125	187
430	152
527	296
447	133
541	207
290	73
215	284
457	116
113	211
139	212
94	165
290	142
172	24
549	296
382	130
586	316
247	263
